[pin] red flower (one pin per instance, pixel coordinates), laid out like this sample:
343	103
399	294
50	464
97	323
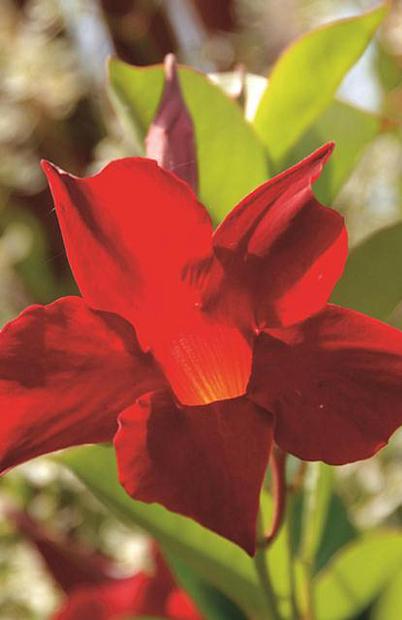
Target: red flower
236	343
91	592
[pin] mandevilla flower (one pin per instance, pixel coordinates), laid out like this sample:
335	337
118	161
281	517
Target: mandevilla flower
194	350
91	591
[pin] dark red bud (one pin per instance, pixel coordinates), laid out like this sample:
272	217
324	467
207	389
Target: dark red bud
170	138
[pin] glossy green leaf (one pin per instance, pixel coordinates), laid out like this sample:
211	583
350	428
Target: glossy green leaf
389	606
232	161
337	532
306	77
213	558
357	575
352	129
372	280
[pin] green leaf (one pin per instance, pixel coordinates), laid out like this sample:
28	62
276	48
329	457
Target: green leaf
372	280
211	603
338	531
352	130
232	161
357	575
389	606
213	558
306	77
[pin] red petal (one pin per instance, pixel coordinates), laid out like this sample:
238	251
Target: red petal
129	233
207	462
65	373
69	565
283	246
133	258
334	385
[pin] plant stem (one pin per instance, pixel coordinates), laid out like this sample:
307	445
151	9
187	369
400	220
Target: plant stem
260	562
279	493
308	591
317	495
291	559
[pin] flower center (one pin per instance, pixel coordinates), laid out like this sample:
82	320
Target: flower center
205	361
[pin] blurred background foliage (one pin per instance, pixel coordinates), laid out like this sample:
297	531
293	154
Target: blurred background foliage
53	105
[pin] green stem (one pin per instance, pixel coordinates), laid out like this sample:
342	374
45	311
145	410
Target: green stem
261	566
308	591
291	558
317	496
279	493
